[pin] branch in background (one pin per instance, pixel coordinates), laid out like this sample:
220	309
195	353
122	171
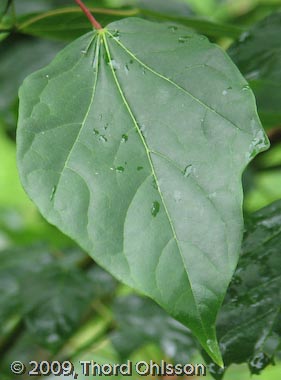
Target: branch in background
8	6
12	338
274	135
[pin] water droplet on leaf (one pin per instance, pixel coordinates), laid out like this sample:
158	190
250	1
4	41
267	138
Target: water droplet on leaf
246	87
102	138
142	130
154	184
183	39
258	363
96	132
120	169
173	28
244	36
224	92
216	371
155	208
127	69
139	168
116	35
53	192
124	138
187	170
177	196
115	65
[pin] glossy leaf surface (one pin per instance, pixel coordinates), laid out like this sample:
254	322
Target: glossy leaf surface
50	296
258	56
133	332
249	322
133	141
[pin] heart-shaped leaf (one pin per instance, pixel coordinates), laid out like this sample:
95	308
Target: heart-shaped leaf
133	141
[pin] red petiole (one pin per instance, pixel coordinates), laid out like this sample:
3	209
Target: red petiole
87	12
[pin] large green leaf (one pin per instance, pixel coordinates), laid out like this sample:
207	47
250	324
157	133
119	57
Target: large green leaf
133	141
258	55
249	328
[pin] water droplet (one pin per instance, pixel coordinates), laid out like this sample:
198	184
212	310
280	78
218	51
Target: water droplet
236	280
105	126
100	116
229	88
131	61
224	92
183	39
258	363
246	87
210	344
116	35
177	196
244	36
96	132
213	195
120	169
84	51
139	168
216	371
53	192
259	142
143	70
173	28
47	76
142	130
253	75
187	170
102	138
124	138
115	65
127	69
155	208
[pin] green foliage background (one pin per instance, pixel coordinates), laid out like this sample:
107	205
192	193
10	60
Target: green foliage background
54	301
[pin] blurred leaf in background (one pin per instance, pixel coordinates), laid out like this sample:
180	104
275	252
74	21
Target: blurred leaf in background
249	322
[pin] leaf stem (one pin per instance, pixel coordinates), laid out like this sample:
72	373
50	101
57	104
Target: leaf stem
87	12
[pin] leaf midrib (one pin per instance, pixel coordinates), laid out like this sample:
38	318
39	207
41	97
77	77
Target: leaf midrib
153	172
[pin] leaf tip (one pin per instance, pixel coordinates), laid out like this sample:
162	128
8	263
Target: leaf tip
214	352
